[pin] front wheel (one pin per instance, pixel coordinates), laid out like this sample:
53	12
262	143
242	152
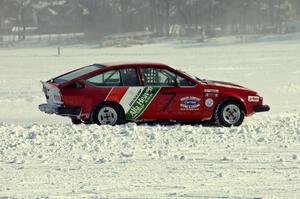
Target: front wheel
108	114
229	114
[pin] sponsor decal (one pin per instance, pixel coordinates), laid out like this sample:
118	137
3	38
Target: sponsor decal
142	100
211	90
134	100
209	102
211	95
253	98
189	103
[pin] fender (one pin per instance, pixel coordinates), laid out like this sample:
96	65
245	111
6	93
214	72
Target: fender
113	96
236	98
224	98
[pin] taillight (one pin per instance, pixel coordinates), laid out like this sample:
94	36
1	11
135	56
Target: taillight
57	98
52	93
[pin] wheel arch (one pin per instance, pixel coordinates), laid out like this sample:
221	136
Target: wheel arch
219	117
232	99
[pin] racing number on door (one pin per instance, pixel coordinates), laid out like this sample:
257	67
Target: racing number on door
173	95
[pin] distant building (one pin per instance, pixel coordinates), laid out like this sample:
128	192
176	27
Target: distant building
293	26
61	17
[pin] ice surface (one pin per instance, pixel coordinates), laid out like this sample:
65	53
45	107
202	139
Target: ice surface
46	156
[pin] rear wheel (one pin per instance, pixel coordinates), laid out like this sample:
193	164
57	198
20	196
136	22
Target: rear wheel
108	114
229	113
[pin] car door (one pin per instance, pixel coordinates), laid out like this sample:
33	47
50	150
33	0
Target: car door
124	88
177	97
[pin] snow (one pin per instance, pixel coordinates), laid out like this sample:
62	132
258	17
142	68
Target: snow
46	156
258	159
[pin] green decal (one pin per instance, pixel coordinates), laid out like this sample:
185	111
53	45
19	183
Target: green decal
141	103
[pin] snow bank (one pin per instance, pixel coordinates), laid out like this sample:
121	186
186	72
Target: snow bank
101	144
258	160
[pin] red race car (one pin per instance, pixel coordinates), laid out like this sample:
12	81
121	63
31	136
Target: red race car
118	92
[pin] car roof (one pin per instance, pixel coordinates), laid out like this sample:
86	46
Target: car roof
113	64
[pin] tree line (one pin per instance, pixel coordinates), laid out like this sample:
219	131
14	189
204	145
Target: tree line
98	18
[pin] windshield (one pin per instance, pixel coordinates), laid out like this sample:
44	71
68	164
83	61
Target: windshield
194	77
77	73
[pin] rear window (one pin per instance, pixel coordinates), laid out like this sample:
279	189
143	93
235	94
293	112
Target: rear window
77	73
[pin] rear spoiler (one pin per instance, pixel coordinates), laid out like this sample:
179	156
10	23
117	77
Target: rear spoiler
47	83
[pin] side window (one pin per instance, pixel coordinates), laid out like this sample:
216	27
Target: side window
129	77
150	76
184	82
158	77
163	77
109	78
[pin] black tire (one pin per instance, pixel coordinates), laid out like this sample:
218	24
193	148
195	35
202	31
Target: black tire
232	108
76	121
118	118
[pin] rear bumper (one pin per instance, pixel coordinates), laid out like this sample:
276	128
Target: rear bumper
262	108
60	110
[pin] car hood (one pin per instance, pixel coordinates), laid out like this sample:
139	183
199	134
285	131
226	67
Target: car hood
220	84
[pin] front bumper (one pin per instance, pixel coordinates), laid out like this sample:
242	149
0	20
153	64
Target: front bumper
261	108
60	110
